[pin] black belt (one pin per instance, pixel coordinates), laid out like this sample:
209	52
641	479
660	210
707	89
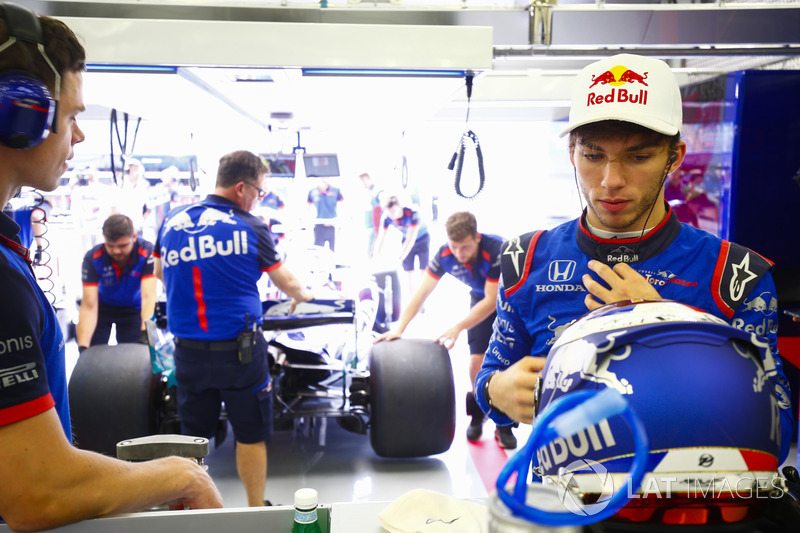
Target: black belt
210	346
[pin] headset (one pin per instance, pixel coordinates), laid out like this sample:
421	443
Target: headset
28	112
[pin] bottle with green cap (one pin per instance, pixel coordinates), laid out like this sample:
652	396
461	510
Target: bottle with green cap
305	512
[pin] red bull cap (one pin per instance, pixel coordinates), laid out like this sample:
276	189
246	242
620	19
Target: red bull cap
637	89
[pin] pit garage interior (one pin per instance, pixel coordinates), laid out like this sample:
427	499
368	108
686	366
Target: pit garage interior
383	85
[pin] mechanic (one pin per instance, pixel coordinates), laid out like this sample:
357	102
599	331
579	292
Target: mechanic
624	140
416	239
45	481
473	259
118	286
210	256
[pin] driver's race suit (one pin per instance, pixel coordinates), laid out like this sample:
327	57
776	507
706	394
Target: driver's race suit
541	291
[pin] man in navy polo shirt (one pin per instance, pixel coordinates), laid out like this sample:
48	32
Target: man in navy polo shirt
325	200
46	481
473	259
211	255
118	286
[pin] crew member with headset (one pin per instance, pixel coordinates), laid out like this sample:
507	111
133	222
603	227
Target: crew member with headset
210	256
45	481
118	286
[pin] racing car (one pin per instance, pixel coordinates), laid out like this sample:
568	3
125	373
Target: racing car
401	392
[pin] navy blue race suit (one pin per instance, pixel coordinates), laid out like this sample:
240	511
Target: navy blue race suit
541	291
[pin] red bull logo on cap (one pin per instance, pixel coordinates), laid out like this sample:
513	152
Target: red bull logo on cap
616	77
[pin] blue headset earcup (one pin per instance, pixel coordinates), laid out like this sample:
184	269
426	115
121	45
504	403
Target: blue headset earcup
26	110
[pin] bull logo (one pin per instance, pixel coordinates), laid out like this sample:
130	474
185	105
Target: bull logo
211	216
591	361
618	75
762	358
630	76
557	330
764	303
181	221
623	250
665	274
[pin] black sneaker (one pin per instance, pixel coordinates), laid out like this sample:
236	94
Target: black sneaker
475	429
505	438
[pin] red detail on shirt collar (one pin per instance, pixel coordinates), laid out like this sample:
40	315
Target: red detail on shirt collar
16	247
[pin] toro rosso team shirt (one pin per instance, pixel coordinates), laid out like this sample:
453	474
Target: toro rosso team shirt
541	291
409	219
212	255
120	287
326	201
486	267
32	365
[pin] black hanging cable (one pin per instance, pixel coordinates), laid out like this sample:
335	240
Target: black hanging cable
457	161
122	142
111	122
41	258
469	136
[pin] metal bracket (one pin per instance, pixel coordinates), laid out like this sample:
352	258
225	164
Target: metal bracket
541	21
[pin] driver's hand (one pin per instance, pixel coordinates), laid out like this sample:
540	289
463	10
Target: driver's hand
388	336
512	389
621	283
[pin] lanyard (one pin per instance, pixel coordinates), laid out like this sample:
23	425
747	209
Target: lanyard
16	248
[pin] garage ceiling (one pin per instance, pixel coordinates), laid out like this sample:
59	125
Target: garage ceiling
246	59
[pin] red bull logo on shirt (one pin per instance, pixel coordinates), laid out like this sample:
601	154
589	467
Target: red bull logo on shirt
205	247
617	77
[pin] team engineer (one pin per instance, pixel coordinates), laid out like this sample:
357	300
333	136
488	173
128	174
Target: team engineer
473	259
210	256
45	481
118	286
624	140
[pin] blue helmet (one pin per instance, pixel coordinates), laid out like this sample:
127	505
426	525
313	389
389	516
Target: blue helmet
701	388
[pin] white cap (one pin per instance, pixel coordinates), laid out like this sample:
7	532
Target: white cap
627	87
305	498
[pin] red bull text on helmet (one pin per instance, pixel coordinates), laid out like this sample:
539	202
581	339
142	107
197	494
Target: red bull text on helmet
617	77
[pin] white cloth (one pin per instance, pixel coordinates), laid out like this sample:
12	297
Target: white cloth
425	511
